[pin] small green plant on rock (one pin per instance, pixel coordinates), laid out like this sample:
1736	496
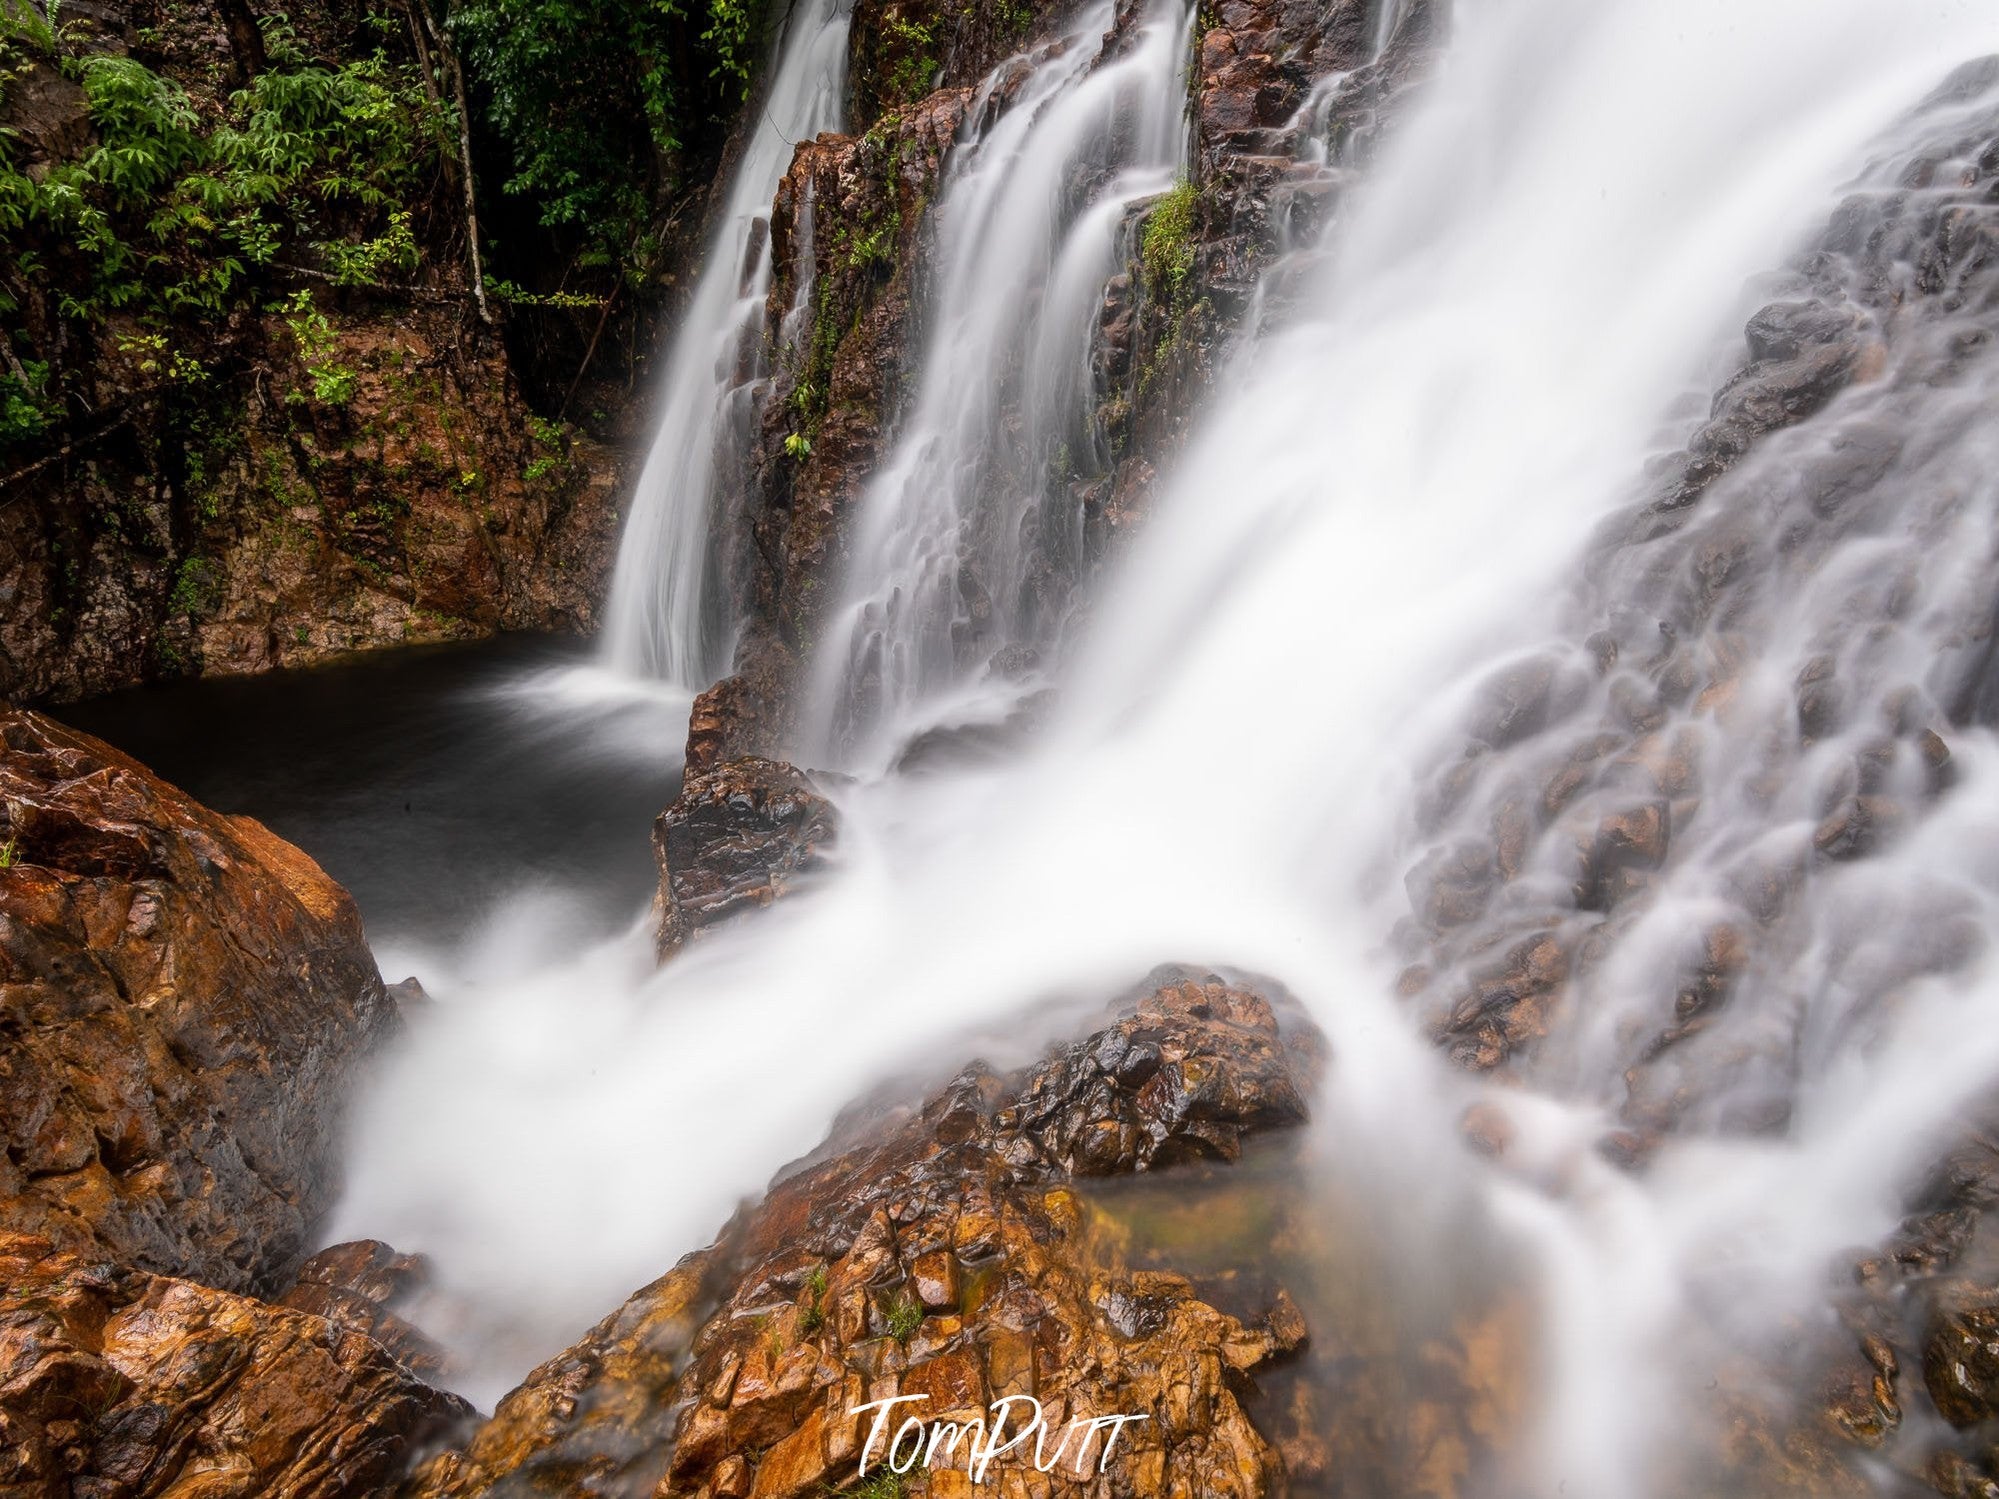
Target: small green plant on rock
1167	248
812	1306
10	853
883	1483
902	1315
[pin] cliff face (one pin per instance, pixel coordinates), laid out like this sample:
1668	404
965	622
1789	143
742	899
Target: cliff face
252	413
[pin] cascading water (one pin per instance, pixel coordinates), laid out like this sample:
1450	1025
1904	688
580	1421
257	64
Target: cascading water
665	620
968	537
1321	691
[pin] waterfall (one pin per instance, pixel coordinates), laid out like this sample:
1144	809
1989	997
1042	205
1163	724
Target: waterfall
1414	568
971	510
665	619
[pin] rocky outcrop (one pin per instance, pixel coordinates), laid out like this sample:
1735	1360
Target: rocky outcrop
1272	154
938	1252
184	999
739	835
116	1381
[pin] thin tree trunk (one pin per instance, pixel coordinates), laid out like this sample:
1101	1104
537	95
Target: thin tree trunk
457	76
591	352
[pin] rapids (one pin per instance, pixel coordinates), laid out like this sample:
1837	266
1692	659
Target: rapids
1433	465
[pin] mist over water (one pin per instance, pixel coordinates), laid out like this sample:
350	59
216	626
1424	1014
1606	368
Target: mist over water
1429	472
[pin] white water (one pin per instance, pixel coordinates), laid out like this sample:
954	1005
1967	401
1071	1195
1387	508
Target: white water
664	619
975	491
1397	498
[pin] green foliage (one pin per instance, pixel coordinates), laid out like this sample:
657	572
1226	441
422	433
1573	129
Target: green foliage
877	246
368	262
174	220
513	294
812	1305
1168	248
914	48
797	445
556	78
154	356
902	1315
10	853
26	410
197	587
883	1483
333	383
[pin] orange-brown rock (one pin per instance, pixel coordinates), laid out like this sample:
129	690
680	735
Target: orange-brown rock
740	1370
184	998
737	837
364	1286
118	1382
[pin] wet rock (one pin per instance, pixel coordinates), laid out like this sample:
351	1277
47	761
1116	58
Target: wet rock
114	1381
363	1286
737	837
1506	1004
1961	1355
1194	1069
184	999
1860	1395
741	715
1957	1477
740	1370
1616	856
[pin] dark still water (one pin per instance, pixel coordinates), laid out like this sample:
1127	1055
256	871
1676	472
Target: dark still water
445	786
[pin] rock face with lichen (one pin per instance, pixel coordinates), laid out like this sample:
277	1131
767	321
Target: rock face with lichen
187	998
939	1251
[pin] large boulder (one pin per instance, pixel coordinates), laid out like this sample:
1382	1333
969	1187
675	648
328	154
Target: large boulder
939	1251
183	1000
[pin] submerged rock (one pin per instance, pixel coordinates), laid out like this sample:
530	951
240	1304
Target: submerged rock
184	999
938	1252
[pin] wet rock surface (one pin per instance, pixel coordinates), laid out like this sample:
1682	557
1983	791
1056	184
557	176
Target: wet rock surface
1585	888
938	1251
115	1381
363	1286
739	835
1619	774
186	1000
